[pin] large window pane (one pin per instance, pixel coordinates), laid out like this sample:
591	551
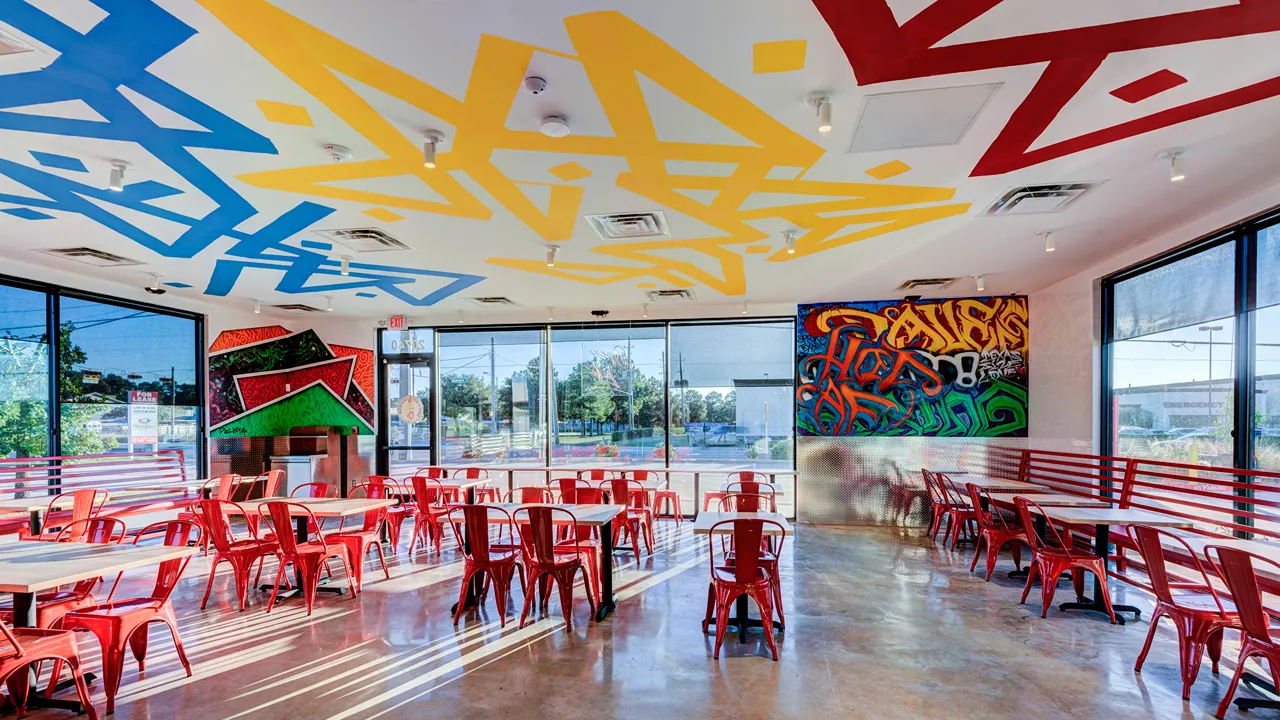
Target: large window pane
490	397
1266	434
732	390
608	402
24	373
127	381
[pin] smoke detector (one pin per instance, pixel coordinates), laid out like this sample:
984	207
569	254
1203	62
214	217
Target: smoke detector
554	126
535	85
339	153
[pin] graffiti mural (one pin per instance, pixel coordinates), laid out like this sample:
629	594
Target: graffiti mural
264	381
946	368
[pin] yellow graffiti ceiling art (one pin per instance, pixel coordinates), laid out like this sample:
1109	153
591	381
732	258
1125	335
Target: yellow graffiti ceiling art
613	50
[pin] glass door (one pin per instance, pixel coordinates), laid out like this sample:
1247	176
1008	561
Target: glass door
407	397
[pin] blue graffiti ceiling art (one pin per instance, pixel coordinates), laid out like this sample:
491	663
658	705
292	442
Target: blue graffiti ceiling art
116	53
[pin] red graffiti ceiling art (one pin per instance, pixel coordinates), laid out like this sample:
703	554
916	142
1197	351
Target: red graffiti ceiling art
880	50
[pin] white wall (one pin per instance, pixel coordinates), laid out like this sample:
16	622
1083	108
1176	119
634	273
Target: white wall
1065	381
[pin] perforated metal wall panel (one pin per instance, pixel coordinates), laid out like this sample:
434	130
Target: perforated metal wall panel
876	480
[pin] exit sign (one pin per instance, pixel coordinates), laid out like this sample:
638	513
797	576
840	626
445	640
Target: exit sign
395	322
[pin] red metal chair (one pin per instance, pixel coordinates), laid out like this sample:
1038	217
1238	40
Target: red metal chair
663	498
637	522
240	554
428	507
123	623
1237	568
567	489
753	487
551	561
1199	616
53	604
1048	562
527	494
960	514
222	487
939	506
272	482
598	476
748	502
321	490
85	504
307	558
470	525
396	514
358	541
994	531
24	646
745	576
483	493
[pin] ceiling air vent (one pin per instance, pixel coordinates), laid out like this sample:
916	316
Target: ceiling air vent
661	295
363	240
630	226
1033	199
491	301
10	45
89	256
297	308
927	284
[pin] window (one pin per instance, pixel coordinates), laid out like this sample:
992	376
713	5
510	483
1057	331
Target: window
490	397
1266	354
732	394
24	373
1173	360
608	395
406	396
127	380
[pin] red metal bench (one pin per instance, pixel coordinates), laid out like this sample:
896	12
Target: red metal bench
139	483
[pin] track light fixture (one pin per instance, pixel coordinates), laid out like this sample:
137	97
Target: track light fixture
257	307
1049	244
646	309
821	103
551	314
744	307
346	265
117	177
1177	166
433	138
981	282
328	303
790	237
461	320
551	255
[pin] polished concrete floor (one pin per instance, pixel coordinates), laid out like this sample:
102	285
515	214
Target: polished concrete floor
881	624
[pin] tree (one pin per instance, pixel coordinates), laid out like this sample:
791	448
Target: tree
730	407
695	406
460	392
1136	416
715	406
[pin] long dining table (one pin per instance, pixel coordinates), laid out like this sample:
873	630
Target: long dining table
28	567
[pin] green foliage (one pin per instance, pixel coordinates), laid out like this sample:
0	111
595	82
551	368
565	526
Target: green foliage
461	392
780	449
1136	416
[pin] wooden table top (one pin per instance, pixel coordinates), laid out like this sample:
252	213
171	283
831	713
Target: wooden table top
335	507
991	484
19	506
590	515
1114	516
702	525
30	566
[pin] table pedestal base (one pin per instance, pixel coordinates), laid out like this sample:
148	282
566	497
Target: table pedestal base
742	620
1094	605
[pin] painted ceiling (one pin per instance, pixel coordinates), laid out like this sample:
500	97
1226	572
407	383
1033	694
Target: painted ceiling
221	109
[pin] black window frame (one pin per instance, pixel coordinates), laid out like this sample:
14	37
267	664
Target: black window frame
53	294
1244	237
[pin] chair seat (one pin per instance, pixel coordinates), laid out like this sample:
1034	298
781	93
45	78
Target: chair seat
1203	603
726	574
120	608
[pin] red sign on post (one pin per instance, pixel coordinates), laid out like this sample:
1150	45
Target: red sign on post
395	322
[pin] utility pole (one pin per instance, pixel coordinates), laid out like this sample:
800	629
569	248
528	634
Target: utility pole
173	396
493	389
1211	329
631	374
684	401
